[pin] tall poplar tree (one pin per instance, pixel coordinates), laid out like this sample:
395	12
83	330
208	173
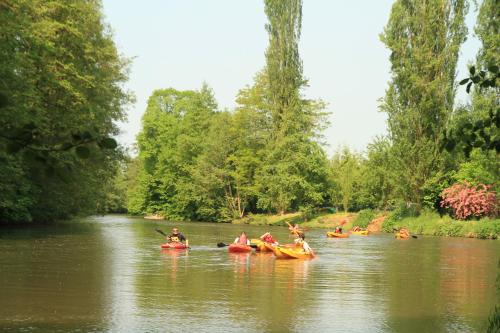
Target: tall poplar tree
487	101
424	38
294	171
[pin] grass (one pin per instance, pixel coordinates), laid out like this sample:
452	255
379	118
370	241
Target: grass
324	220
427	223
317	221
430	223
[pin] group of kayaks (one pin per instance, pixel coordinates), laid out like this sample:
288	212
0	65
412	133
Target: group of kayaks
287	251
333	234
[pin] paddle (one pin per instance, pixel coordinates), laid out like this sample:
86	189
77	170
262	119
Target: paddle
161	232
295	231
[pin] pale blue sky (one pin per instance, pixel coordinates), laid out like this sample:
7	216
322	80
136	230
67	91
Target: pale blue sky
182	43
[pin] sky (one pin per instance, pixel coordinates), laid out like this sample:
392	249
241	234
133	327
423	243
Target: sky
182	43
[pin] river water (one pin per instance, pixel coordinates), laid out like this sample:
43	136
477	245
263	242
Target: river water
109	274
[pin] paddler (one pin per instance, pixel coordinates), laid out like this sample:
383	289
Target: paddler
176	236
242	239
305	246
404	233
268	238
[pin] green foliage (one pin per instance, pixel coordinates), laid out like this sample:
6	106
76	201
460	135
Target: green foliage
494	321
431	223
345	172
483	167
294	169
400	212
476	128
377	181
449	229
424	39
433	187
60	95
365	216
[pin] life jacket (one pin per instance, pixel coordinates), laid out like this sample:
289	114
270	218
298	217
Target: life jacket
269	239
174	239
242	240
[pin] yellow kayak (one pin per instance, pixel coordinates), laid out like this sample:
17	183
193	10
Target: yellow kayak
336	235
360	232
261	245
291	253
296	253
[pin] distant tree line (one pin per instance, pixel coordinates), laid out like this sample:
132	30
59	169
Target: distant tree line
196	162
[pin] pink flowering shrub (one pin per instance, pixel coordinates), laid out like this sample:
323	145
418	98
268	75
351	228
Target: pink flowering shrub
467	201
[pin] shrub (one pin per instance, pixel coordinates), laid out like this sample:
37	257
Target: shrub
401	211
467	201
365	216
450	229
486	230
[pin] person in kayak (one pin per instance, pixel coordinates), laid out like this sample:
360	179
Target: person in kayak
268	238
356	228
305	246
404	233
242	239
338	229
176	236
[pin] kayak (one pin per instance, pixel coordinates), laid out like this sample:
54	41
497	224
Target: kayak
401	236
259	245
336	235
360	232
264	247
277	250
291	253
174	245
239	248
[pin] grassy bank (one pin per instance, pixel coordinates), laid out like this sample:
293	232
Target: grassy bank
326	221
430	223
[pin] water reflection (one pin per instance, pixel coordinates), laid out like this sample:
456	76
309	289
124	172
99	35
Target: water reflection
110	274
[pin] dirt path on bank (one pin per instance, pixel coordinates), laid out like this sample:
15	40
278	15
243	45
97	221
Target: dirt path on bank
376	224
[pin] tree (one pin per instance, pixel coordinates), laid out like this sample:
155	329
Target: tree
346	167
377	175
293	174
424	38
60	94
175	126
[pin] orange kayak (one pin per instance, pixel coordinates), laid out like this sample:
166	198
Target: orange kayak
336	235
239	248
174	245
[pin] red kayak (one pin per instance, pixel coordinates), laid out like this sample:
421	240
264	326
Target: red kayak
174	245
238	248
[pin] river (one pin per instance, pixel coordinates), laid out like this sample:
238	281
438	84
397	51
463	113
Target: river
108	274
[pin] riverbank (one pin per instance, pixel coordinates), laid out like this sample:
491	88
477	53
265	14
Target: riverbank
327	221
428	223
